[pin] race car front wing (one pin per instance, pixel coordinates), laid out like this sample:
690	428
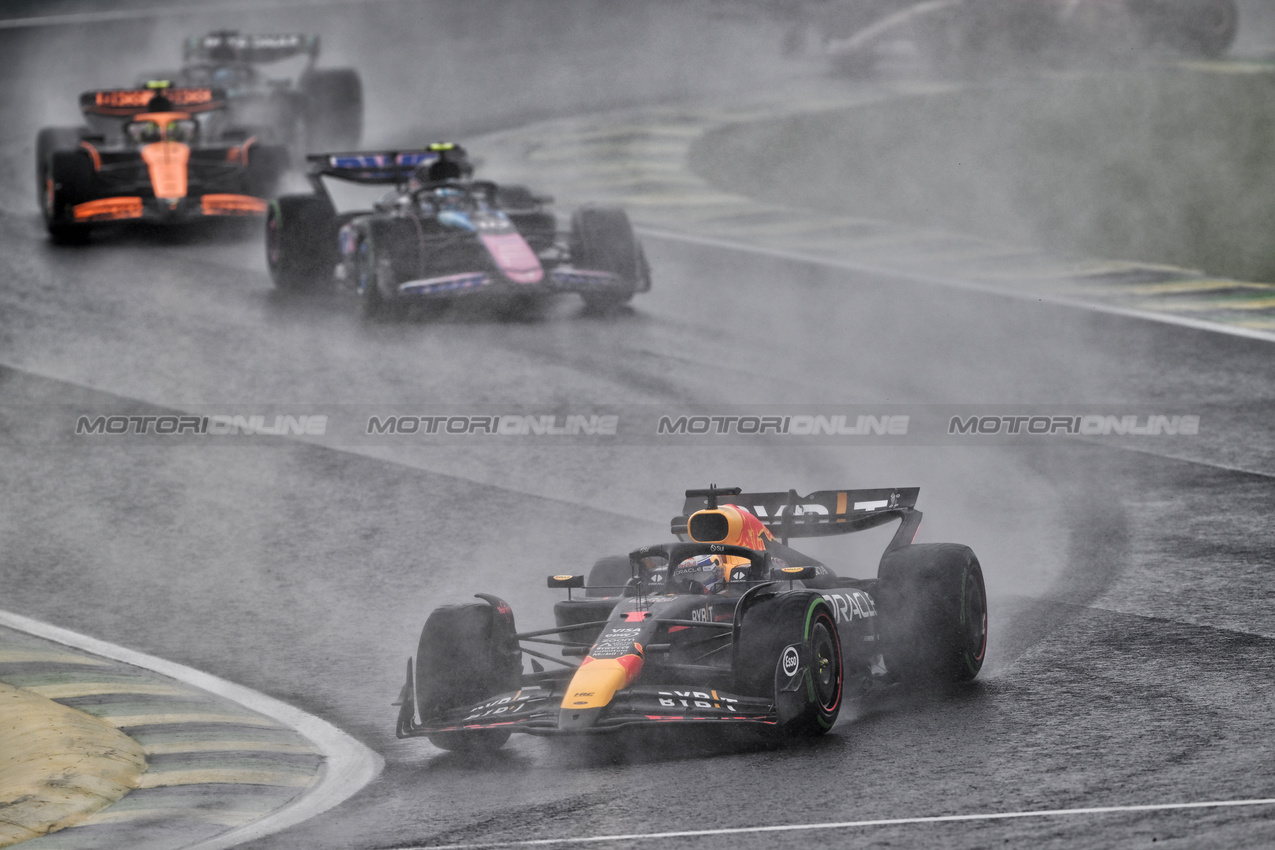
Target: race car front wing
538	710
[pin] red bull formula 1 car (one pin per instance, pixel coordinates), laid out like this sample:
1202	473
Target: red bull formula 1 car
727	628
437	234
158	154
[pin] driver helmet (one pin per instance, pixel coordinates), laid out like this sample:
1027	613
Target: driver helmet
709	571
159	102
452	163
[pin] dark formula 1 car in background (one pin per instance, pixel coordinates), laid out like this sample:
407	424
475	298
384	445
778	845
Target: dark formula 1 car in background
955	34
437	234
157	154
310	109
728	628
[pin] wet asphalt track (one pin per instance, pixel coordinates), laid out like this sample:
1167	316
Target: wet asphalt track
1132	627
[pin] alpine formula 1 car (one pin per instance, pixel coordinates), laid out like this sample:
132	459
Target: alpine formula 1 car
157	154
727	628
304	107
438	234
961	33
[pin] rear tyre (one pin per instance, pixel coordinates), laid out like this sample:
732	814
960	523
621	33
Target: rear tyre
334	112
932	609
300	242
48	140
788	649
608	576
69	181
602	239
466	654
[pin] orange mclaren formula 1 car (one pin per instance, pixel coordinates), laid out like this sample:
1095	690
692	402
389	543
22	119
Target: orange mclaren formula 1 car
158	154
727	628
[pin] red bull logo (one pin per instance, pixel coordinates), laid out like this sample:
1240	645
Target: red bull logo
733	525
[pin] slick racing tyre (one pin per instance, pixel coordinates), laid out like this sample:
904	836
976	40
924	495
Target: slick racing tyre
69	182
602	239
788	649
932	610
608	576
466	653
334	112
48	140
300	242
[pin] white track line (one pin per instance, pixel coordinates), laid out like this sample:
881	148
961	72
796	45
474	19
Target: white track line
855	824
348	764
957	283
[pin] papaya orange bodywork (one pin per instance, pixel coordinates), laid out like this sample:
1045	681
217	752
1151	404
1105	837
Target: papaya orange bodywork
93	155
167	163
108	209
226	204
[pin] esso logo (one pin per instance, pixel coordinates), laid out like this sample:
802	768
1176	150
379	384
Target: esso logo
561	578
790	661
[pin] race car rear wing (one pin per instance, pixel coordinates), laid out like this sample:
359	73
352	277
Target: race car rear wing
820	514
230	47
125	103
369	167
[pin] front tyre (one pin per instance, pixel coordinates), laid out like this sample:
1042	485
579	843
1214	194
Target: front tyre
608	576
602	239
69	181
932	605
466	654
788	649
